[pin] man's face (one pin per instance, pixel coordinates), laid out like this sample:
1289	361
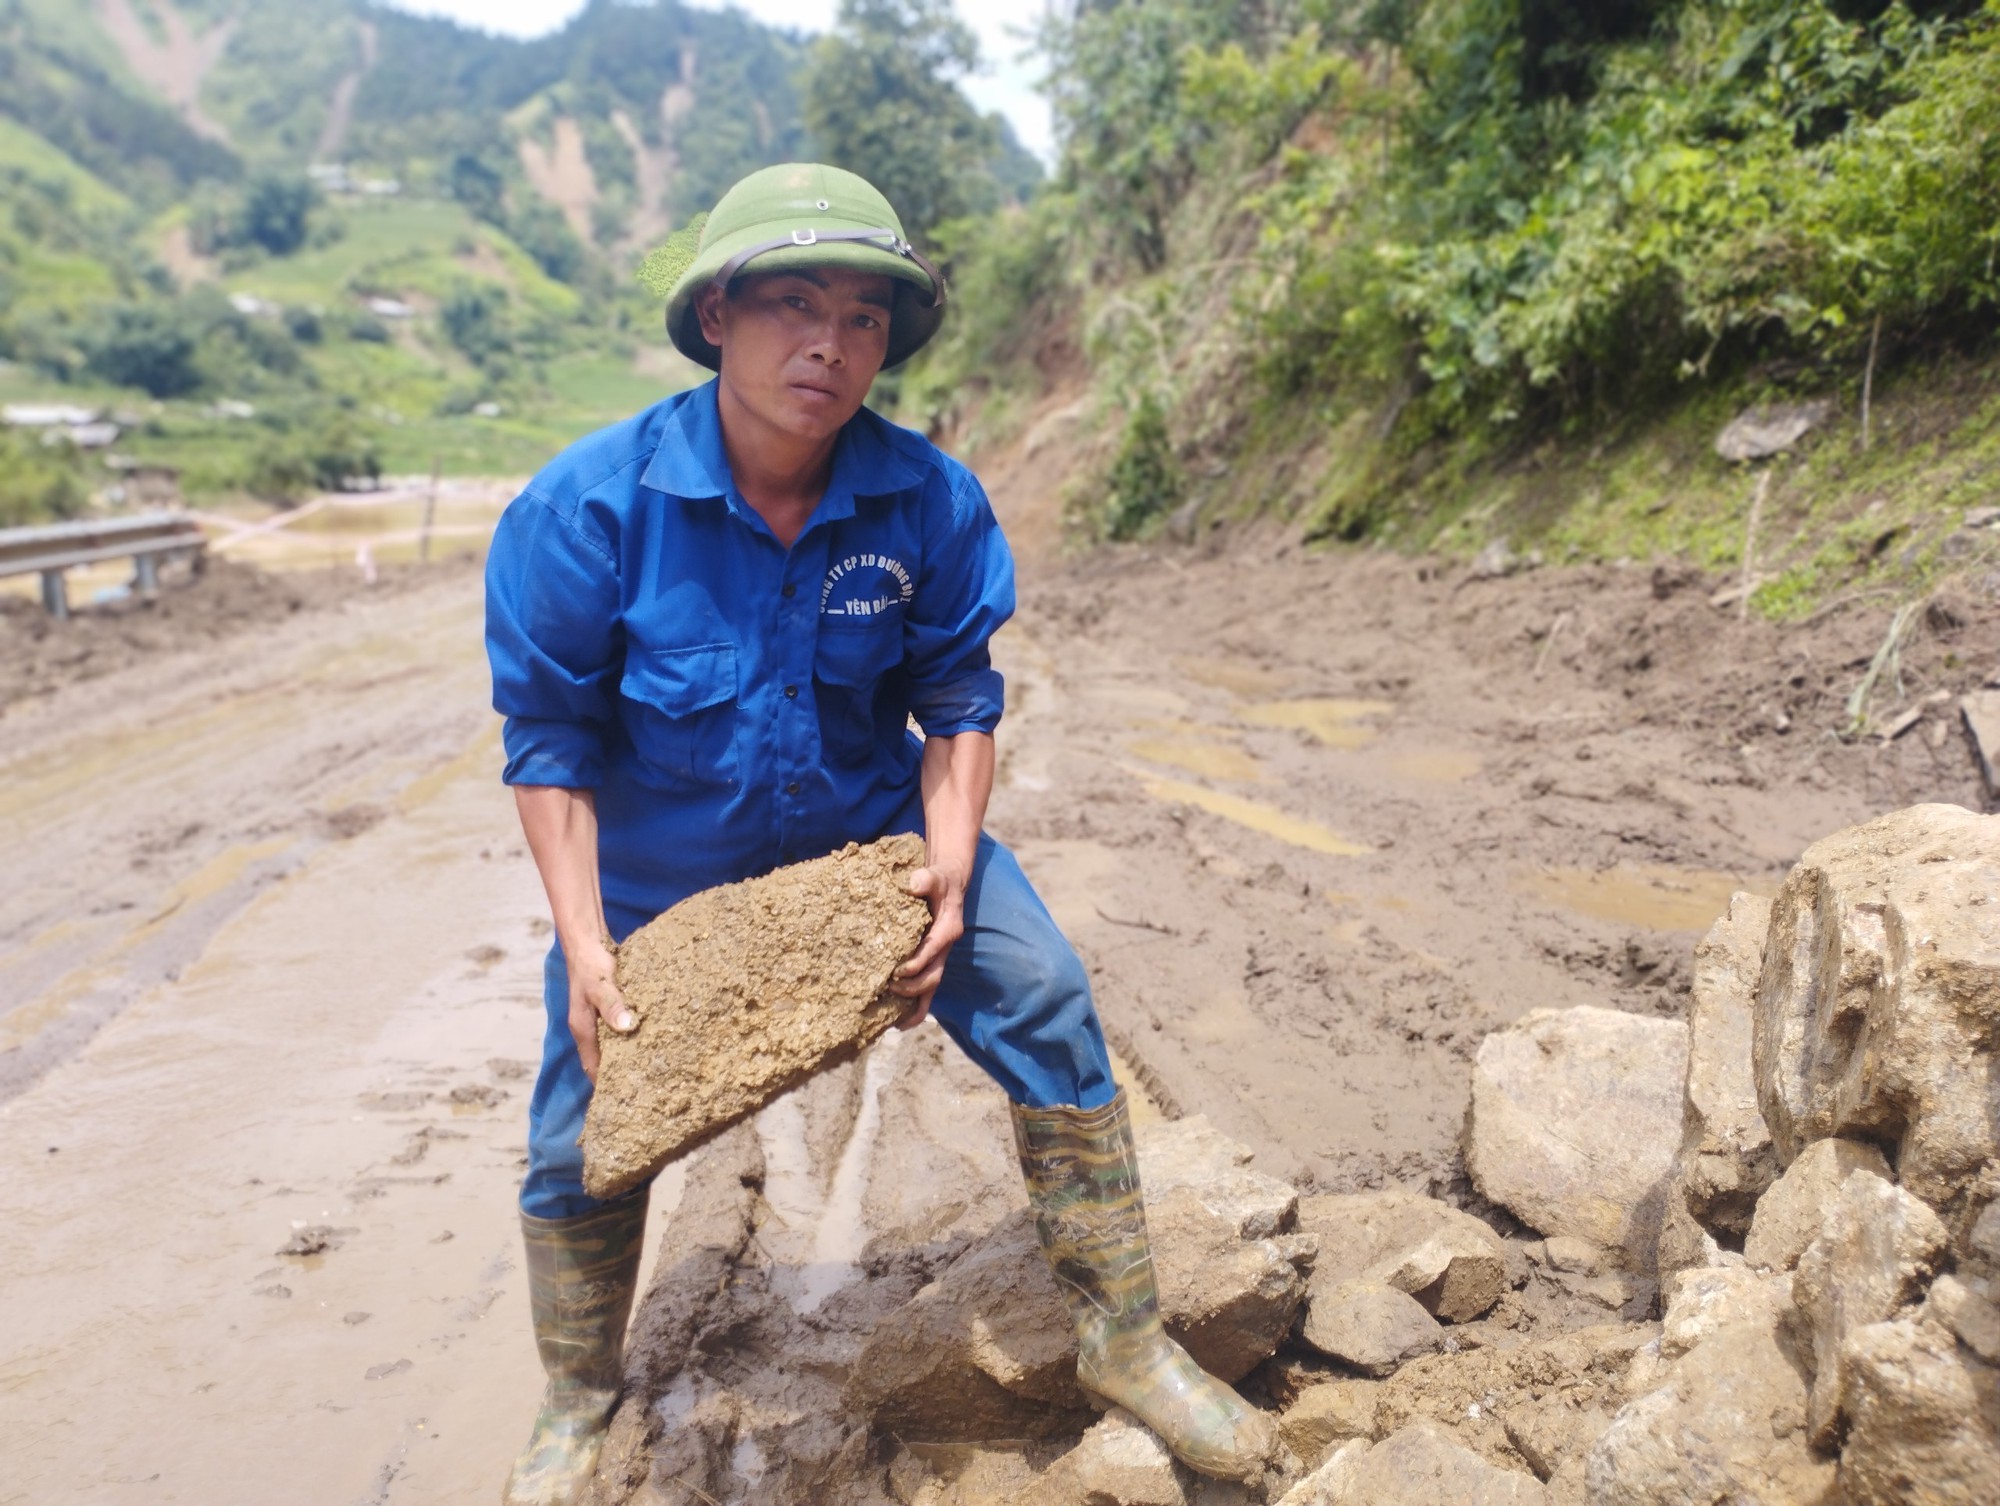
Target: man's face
800	349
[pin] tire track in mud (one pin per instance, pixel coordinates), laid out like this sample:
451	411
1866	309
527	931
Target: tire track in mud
153	804
1317	823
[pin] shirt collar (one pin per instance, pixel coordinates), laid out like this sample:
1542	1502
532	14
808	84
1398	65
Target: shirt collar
689	461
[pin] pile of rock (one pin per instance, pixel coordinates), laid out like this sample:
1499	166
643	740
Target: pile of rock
1802	1180
1832	1258
1804	1177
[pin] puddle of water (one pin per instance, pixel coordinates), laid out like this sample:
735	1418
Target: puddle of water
1180	726
1334	721
1267	820
1654	896
1434	765
1215	760
1230	675
817	1246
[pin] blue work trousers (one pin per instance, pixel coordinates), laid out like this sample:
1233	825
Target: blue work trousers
1015	998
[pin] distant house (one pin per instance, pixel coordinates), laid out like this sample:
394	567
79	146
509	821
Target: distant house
390	308
48	415
141	484
98	436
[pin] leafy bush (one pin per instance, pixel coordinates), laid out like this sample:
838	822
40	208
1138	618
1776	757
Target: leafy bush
272	214
148	346
39	483
1010	290
1492	214
323	453
475	320
1145	481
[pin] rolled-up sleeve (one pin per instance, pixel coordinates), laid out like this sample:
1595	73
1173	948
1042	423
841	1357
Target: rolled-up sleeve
962	597
554	641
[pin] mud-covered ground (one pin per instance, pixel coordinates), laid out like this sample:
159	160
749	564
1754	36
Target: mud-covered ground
269	971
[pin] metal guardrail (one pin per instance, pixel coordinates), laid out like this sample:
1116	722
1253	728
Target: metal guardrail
50	549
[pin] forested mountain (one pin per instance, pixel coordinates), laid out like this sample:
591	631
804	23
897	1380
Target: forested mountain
363	226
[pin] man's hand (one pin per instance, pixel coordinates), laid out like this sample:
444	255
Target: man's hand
943	885
594	996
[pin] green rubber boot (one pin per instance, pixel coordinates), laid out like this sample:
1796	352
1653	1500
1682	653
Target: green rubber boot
1083	1180
581	1276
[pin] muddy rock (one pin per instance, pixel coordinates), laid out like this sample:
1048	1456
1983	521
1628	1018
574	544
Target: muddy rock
1924	1419
1120	1462
1544	1091
1328	1484
1418	1465
1878	1010
1874	1254
1968	1309
1230	1301
1979	1241
1728	1424
1593	1273
1453	1264
1568	1486
1771	429
1700	1303
986	1349
1192	1153
743	992
1328	1414
1368	1325
1553	1432
1789	1215
1726	1159
1980	711
1529	1408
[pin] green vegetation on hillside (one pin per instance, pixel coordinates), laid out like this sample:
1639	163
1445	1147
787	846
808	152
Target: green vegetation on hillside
1444	269
453	286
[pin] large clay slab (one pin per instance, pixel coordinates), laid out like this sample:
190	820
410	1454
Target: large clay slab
743	992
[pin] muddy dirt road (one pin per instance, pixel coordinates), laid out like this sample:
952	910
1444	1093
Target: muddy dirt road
269	963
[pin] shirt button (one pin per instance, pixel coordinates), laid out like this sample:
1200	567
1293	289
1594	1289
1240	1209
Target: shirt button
789	592
792	788
791	692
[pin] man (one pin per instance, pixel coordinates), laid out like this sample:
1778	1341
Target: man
709	627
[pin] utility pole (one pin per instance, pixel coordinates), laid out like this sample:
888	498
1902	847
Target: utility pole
430	514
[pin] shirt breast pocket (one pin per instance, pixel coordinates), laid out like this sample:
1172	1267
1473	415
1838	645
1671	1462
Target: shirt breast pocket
682	716
856	669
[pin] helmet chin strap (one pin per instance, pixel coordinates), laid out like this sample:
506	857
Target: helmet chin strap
889	241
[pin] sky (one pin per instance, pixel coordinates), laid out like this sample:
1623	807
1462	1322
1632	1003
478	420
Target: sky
1006	83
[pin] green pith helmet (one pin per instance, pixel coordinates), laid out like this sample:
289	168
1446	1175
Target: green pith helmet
798	214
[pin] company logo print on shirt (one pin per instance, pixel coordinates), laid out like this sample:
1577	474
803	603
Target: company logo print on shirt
866	584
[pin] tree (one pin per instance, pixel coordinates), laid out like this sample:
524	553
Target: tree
275	211
147	346
882	99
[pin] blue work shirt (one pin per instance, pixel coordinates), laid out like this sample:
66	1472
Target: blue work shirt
736	704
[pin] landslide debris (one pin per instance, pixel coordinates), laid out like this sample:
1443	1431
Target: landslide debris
742	993
1829	1291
